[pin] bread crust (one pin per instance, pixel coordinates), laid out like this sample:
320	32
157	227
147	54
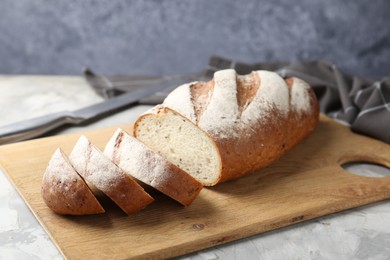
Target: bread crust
151	168
97	169
64	191
253	119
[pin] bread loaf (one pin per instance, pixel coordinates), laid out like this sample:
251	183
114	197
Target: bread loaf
216	131
230	126
151	168
64	191
97	169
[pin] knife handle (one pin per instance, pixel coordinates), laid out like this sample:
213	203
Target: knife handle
36	126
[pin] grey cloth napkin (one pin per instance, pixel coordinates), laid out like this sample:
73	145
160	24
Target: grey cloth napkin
362	104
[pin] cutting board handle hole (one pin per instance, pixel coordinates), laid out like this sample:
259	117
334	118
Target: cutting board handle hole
367	169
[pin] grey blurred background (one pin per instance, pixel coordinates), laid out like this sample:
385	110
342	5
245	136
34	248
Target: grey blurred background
173	37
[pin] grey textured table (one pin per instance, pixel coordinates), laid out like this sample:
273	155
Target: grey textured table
361	233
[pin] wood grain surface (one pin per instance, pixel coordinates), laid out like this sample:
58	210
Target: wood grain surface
307	182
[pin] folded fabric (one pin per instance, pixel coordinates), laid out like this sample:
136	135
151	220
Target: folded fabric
360	103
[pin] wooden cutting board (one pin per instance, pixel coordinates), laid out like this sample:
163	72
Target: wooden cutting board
306	183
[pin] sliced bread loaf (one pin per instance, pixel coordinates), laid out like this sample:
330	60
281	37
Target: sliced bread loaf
230	126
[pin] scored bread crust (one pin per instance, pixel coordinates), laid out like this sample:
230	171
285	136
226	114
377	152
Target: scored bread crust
64	191
151	168
253	119
100	171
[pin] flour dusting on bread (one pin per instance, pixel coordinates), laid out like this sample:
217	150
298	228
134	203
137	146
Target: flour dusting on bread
300	98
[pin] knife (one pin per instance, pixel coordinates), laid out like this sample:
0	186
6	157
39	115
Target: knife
38	126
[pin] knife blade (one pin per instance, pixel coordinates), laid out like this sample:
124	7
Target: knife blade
38	126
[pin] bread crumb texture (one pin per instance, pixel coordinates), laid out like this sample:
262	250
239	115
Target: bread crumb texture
182	143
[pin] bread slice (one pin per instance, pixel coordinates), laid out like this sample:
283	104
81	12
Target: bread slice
151	168
230	126
64	191
100	171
